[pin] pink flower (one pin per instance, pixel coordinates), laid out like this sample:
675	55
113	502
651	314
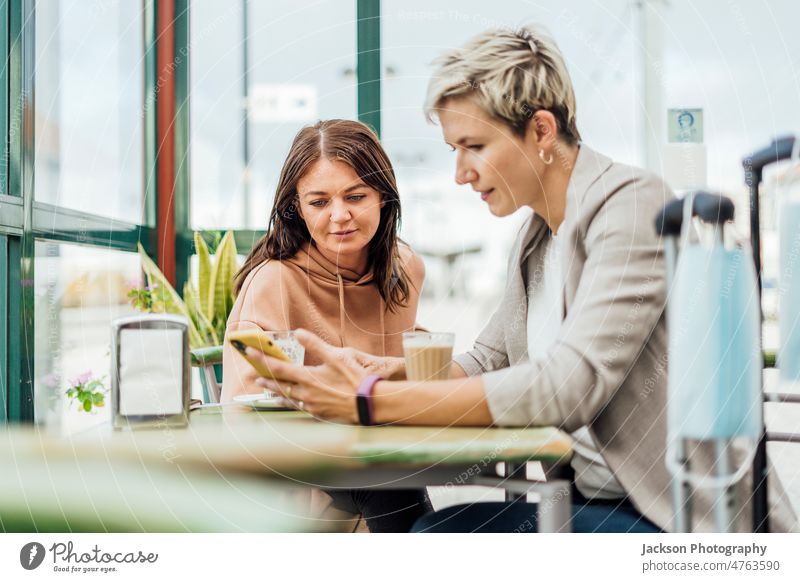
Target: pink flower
83	378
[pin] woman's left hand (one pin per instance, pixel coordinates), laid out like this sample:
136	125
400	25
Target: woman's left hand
326	391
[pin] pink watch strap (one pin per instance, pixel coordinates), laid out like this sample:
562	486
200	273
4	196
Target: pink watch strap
366	413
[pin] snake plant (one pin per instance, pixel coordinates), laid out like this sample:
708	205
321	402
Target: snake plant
206	305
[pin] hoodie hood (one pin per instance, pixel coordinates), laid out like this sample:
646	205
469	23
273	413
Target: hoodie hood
352	288
313	262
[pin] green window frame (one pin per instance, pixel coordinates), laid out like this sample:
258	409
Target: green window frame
23	221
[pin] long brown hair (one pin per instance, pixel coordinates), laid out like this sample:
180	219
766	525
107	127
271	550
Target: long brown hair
355	144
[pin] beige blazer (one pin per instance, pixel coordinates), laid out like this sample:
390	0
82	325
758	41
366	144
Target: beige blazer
608	366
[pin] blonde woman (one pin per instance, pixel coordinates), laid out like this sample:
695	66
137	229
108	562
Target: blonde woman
579	339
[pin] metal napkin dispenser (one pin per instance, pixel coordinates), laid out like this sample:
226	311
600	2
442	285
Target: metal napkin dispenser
150	371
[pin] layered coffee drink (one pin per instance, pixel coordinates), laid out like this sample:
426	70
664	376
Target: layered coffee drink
428	355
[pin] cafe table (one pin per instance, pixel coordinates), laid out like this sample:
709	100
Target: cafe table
61	485
389	457
291	448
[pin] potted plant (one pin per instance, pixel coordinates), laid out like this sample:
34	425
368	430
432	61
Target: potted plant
206	305
87	391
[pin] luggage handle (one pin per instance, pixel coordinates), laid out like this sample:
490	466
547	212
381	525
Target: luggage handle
673	221
708	207
781	148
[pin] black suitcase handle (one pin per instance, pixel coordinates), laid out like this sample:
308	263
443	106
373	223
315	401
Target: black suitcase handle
710	208
781	148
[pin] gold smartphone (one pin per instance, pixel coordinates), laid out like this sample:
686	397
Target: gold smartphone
259	340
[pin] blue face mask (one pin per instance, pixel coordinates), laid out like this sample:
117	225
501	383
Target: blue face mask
714	345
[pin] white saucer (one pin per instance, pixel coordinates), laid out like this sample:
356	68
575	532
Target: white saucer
259	402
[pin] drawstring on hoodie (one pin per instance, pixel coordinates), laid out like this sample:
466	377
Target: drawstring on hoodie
341	316
341	308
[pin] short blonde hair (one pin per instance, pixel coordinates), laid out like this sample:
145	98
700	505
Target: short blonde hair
512	74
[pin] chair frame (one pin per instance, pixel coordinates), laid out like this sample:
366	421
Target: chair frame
205	359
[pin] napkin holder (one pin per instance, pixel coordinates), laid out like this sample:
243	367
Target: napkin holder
150	371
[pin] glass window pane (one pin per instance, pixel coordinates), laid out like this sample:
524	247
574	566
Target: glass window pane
89	106
598	46
79	292
738	62
302	61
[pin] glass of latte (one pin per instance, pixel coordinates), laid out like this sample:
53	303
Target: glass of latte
428	355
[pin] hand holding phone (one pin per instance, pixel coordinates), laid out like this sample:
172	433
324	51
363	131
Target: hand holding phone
259	340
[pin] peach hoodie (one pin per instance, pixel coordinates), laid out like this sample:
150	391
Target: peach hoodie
341	306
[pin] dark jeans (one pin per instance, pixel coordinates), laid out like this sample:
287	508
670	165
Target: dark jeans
386	511
610	516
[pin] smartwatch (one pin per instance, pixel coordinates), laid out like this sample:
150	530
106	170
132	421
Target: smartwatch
364	399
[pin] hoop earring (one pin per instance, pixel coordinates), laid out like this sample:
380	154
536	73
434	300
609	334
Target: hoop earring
548	161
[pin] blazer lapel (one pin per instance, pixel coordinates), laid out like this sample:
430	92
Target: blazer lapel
517	332
589	167
536	231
